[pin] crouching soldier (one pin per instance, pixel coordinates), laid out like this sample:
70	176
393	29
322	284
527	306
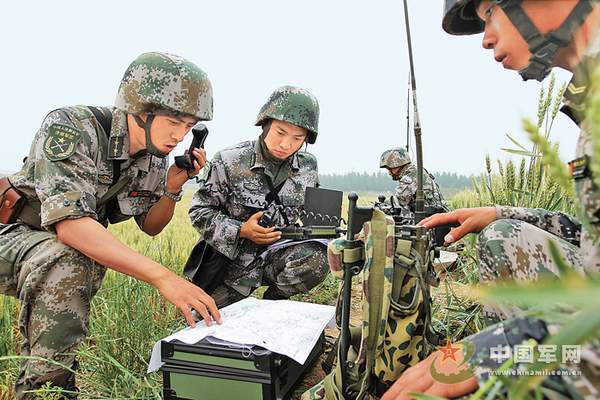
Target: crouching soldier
401	169
89	167
250	179
530	37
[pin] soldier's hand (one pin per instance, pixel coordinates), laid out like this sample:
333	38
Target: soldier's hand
187	296
251	230
418	379
470	220
177	177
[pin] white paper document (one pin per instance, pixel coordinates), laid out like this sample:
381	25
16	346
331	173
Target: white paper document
286	327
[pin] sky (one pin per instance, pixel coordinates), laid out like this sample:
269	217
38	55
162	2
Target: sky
351	55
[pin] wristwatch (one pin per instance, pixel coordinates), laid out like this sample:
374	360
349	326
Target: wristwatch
174	196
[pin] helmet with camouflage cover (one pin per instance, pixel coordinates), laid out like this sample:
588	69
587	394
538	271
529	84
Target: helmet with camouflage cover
294	105
168	82
460	18
156	82
394	158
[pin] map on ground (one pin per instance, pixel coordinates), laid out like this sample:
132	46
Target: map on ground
286	327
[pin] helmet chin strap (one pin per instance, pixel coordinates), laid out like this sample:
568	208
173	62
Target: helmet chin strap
150	148
544	47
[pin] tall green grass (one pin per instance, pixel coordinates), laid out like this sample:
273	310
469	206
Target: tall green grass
528	182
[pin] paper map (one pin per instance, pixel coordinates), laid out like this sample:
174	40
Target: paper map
286	327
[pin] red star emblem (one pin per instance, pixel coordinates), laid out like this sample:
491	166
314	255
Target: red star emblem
449	352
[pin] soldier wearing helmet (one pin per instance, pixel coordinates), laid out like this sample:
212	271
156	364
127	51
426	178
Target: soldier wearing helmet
248	180
531	37
397	162
88	167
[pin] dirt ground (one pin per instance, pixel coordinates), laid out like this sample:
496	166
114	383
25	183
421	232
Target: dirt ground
316	373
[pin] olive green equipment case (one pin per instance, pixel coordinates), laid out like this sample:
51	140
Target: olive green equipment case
206	371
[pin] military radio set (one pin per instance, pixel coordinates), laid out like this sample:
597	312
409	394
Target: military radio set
423	240
318	218
186	161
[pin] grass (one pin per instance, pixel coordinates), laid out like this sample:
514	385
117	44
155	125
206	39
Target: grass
128	316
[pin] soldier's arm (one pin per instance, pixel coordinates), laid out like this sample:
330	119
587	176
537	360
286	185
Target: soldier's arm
161	212
93	240
206	212
65	177
557	223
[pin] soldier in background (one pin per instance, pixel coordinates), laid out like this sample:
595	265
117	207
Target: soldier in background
397	162
531	37
252	179
88	167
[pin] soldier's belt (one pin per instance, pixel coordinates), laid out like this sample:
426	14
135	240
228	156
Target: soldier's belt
11	202
15	207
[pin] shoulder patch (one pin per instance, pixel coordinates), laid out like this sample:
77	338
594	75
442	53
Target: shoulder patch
61	142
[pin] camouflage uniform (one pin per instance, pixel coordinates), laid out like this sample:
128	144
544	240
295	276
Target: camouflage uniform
235	188
405	193
69	169
515	246
55	283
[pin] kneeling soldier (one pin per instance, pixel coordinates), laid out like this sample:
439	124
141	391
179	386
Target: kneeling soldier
87	167
401	169
243	181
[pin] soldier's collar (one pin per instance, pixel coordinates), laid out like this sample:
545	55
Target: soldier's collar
118	142
258	160
576	93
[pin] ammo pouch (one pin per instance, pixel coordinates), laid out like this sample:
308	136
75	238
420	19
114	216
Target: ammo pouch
11	202
396	316
206	267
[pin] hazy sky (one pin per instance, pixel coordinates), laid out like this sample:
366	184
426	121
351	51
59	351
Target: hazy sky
351	54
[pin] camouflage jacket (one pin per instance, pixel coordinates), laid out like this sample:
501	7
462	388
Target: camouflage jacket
576	96
233	188
69	169
509	333
406	190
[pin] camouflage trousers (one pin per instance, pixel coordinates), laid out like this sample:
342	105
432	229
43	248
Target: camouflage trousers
510	249
287	272
515	250
55	285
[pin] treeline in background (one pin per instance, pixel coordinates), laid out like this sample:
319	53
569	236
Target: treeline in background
450	183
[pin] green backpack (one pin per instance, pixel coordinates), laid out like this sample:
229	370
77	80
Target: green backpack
396	328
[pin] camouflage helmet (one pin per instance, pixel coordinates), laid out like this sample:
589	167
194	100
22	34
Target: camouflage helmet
168	82
294	105
394	158
460	17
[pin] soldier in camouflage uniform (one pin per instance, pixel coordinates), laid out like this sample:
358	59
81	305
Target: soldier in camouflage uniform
239	187
397	162
78	178
513	243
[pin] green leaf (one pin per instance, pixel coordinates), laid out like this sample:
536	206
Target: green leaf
515	141
572	289
525	153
